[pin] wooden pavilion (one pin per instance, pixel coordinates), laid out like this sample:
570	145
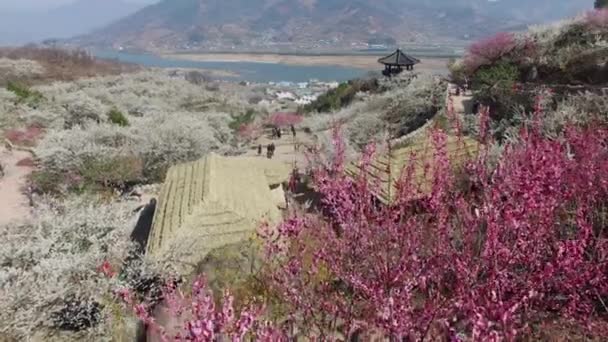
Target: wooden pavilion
396	62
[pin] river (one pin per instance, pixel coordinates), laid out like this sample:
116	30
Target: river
247	71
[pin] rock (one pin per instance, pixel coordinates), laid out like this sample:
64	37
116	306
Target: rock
8	145
137	112
532	74
77	315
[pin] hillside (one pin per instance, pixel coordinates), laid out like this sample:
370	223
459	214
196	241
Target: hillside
306	24
470	225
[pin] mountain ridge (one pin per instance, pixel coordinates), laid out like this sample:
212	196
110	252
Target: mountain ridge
315	24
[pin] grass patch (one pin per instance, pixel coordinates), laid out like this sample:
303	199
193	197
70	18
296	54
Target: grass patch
341	96
112	172
239	120
46	182
25	94
98	175
118	118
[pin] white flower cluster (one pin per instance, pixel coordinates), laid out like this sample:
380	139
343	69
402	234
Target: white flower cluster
19	68
55	257
170	120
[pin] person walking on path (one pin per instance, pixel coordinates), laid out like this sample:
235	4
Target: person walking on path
270	150
259	149
293	131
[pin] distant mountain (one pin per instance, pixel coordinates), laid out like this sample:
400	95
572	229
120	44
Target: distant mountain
320	24
80	17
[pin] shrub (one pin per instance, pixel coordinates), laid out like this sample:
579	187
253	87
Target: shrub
162	141
503	75
196	77
366	129
64	150
157	140
496	87
458	73
404	105
19	69
111	171
409	108
117	117
240	120
81	110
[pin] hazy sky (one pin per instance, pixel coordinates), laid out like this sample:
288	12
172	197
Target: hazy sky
45	4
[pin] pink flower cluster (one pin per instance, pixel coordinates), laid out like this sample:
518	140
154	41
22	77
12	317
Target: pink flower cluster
597	19
489	50
200	320
25	137
484	257
249	132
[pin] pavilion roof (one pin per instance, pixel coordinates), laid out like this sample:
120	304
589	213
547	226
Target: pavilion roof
398	58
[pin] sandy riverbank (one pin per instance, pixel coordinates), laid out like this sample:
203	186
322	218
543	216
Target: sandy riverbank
213	73
430	64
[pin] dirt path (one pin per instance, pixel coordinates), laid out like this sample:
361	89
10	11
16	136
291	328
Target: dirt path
463	103
14	205
285	147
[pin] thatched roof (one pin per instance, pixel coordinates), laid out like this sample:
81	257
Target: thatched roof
399	58
212	203
420	153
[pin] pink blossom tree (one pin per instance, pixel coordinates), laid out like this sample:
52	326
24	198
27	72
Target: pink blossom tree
597	19
517	244
489	50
